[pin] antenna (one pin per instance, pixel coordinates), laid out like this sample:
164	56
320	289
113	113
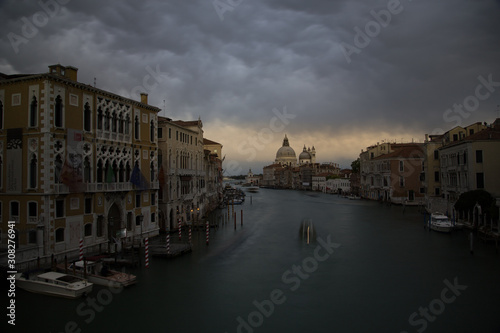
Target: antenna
95	80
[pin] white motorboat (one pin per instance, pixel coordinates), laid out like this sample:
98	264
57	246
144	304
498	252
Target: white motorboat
54	284
440	222
99	273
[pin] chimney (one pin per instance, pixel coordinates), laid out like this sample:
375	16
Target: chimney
71	73
144	98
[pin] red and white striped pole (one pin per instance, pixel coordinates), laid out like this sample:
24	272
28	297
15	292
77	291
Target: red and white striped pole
168	243
180	230
189	234
80	257
146	252
208	232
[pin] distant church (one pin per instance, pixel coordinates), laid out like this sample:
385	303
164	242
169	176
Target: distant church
286	155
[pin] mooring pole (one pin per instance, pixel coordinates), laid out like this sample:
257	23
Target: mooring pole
471	243
242	217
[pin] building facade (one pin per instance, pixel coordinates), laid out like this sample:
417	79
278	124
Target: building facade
77	163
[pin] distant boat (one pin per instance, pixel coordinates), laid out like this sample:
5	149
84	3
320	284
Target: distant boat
99	273
54	284
354	197
253	189
440	222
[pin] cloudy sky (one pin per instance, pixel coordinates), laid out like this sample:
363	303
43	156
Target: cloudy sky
339	75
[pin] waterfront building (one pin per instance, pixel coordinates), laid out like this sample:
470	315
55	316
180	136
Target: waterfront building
471	163
180	147
77	164
391	172
340	184
433	176
213	173
252	179
190	180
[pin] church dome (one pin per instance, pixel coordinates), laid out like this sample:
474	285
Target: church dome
304	156
286	154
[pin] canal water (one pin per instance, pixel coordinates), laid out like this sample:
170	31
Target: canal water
372	268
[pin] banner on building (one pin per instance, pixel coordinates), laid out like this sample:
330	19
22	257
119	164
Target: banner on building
72	171
138	179
14	160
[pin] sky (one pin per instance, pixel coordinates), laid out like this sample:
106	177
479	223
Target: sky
336	75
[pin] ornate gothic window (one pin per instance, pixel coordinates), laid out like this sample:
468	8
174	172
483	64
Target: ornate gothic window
33	170
86	171
57	170
152	131
33	112
87	118
136	128
58	112
99	118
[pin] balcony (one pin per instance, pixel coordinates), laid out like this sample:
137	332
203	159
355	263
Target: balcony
96	187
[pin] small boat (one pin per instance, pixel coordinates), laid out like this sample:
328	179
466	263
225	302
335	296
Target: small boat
99	273
440	222
354	197
54	284
253	189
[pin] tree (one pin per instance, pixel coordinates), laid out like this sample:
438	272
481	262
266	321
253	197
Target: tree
355	166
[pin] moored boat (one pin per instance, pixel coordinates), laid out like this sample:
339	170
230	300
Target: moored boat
440	222
54	284
99	273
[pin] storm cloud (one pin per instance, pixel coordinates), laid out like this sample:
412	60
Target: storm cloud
351	72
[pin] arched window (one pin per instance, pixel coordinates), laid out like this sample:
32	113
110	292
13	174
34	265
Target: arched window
120	124
99	118
152	131
57	170
114	122
87	171
127	172
121	173
33	112
87	117
136	128
106	120
152	172
58	116
59	235
33	170
99	171
127	125
88	230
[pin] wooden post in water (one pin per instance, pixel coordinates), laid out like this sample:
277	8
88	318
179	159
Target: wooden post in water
84	268
242	217
251	200
471	242
234	218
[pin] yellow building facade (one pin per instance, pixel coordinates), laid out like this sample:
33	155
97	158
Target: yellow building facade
77	163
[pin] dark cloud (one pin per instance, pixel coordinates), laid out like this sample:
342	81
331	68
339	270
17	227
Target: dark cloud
272	53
